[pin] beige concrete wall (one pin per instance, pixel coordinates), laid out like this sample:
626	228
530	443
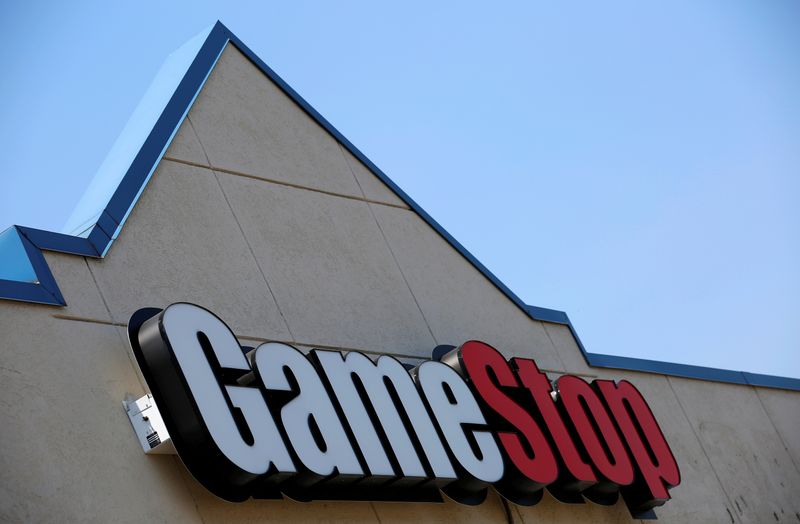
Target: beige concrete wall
259	215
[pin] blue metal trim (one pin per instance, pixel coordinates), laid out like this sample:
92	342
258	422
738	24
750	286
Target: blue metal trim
44	290
99	240
666	368
558	317
107	224
599	360
771	381
153	148
548	315
113	217
42	270
110	221
26	292
52	241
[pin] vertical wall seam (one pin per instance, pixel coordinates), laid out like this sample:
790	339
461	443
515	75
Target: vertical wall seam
375	512
555	348
402	274
241	231
777	431
255	259
516	510
703	448
125	343
185	482
388	245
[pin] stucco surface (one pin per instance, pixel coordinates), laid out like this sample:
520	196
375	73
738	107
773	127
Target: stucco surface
77	287
551	510
54	407
247	124
700	496
747	455
302	264
568	351
458	302
370	185
186	146
333	275
448	511
213	509
783	408
69	454
182	244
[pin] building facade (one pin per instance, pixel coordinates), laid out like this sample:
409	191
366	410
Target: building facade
239	197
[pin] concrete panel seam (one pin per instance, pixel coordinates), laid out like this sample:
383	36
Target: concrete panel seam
226	171
241	231
555	349
349	168
241	337
255	258
199	143
375	512
178	464
389	246
777	431
703	448
125	345
309	345
90	320
519	513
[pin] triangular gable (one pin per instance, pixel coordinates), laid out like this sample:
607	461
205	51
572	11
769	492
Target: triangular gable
99	235
146	143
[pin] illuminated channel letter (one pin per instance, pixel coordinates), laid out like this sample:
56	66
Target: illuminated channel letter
529	452
375	378
578	475
273	422
657	469
455	410
600	438
216	449
311	409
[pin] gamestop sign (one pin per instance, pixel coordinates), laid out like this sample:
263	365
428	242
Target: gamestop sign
271	420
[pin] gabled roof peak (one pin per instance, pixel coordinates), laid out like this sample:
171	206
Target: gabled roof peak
101	214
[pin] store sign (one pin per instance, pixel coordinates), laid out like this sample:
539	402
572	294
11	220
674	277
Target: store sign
329	425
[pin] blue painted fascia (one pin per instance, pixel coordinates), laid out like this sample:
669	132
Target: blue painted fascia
113	217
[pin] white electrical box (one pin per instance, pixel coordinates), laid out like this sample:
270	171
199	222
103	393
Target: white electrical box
148	425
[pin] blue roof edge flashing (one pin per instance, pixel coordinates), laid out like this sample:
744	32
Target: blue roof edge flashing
105	229
660	367
111	220
42	288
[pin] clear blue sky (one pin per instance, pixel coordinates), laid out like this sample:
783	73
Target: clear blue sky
635	165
